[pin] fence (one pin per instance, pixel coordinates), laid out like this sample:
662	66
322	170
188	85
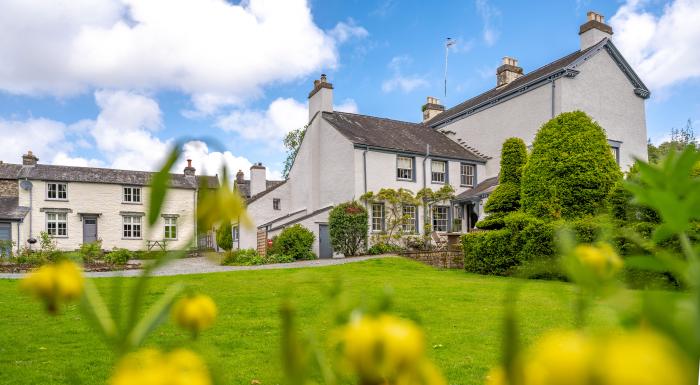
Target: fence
445	259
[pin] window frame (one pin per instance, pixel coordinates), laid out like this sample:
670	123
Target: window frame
382	218
235	233
57	222
412	170
276	204
57	191
434	221
132	225
173	227
446	174
463	177
131	194
411	227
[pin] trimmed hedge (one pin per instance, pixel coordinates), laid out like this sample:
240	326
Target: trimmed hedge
348	226
513	159
489	252
571	169
224	236
506	197
295	241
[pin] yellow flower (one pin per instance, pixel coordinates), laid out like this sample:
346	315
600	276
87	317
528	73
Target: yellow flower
602	259
195	313
55	283
152	367
424	374
560	358
382	347
643	358
496	376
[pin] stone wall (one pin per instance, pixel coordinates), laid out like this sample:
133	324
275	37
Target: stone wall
9	188
442	259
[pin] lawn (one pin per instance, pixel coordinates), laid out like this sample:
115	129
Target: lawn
460	312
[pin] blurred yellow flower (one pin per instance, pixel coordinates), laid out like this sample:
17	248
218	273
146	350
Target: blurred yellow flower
560	358
152	367
601	259
195	313
55	283
643	358
382	347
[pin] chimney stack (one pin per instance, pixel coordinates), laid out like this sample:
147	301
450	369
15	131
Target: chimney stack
189	170
240	177
258	179
594	30
29	159
321	97
507	72
432	108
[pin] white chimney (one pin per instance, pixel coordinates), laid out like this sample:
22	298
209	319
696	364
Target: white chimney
321	97
594	30
432	108
258	179
507	72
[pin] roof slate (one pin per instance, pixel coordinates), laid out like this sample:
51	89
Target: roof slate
397	135
244	187
485	187
97	175
11	210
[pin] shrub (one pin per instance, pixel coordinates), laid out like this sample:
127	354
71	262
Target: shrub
491	222
295	241
250	257
348	226
6	248
118	256
506	197
384	248
489	252
571	169
224	236
91	251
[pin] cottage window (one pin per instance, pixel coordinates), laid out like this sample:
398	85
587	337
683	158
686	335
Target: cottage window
56	224
132	195
440	218
404	168
409	219
235	233
170	228
438	170
56	191
616	153
131	227
377	217
276	203
466	173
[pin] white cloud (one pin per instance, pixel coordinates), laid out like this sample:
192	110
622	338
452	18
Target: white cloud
41	136
347	105
282	116
663	49
400	81
208	162
65	159
217	52
490	16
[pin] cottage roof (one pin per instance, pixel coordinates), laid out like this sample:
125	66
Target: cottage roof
484	188
11	210
396	135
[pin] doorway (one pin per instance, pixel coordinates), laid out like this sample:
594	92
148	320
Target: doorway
89	229
325	250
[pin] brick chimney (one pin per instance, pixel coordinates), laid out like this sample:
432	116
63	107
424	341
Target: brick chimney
507	72
258	181
29	159
594	30
240	177
432	108
189	170
321	97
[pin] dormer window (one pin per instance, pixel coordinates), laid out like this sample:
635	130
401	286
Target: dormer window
131	194
56	191
404	168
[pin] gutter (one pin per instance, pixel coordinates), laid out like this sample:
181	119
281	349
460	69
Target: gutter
364	166
553	88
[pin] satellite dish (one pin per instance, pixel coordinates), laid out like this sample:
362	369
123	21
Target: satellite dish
26	185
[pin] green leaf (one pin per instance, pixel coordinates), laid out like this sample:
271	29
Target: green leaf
154	317
160	184
98	312
646	263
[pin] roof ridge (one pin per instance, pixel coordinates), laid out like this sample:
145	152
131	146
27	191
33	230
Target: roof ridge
376	117
95	168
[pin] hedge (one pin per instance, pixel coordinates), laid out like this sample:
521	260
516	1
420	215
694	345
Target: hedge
506	197
348	227
571	169
295	241
489	252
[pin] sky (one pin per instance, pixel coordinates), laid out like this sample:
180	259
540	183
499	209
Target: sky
115	83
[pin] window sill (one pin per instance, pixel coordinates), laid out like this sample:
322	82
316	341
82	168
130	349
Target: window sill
59	236
405	180
55	200
133	203
132	239
435	182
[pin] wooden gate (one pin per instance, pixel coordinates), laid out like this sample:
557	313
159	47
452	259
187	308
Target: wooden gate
262	242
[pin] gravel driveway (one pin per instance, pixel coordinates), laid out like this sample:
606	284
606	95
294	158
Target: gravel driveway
199	265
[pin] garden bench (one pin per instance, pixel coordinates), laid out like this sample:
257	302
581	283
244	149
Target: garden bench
159	244
440	242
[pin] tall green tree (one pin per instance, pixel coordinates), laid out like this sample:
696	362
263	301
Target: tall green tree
292	142
571	169
680	139
224	236
506	197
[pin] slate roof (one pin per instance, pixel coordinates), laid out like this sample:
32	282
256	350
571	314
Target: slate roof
271	185
485	187
97	175
397	135
11	210
244	188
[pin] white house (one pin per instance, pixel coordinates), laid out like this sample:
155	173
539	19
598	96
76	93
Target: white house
344	155
76	205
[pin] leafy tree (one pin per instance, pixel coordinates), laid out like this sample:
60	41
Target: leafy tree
680	139
571	169
295	241
224	237
348	225
292	142
506	197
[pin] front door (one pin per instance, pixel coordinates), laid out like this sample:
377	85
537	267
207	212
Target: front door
5	238
325	250
89	229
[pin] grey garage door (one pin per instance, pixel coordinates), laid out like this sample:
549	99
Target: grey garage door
5	235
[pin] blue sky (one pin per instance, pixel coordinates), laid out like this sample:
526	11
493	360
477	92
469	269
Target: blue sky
113	84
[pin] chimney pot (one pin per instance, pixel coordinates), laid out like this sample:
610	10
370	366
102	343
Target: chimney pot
240	177
321	97
594	30
29	159
258	178
432	108
189	170
508	71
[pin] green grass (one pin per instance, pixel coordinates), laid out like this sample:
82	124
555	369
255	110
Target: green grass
460	311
